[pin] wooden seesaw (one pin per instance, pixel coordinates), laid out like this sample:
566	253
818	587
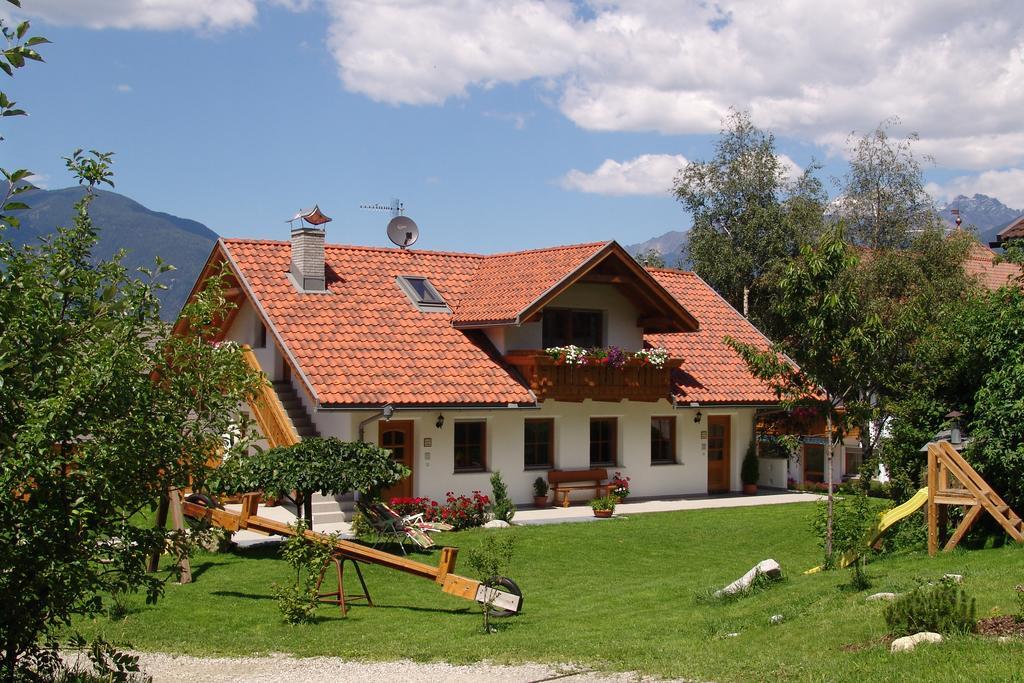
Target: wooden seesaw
500	595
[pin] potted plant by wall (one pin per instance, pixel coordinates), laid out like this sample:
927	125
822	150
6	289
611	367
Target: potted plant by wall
619	487
540	492
750	470
603	507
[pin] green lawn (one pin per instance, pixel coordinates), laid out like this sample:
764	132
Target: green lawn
625	594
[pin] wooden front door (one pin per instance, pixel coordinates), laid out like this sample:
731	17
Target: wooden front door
719	438
396	436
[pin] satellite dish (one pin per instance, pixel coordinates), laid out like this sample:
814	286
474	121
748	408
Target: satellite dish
403	231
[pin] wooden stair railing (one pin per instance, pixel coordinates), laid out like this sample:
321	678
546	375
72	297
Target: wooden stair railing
972	491
273	420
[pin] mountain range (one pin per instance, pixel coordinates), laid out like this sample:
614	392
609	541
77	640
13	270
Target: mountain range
123	223
987	215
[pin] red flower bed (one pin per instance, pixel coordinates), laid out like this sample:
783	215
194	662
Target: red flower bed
462	512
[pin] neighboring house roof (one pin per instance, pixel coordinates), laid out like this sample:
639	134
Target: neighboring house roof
981	264
1015	230
711	372
363	344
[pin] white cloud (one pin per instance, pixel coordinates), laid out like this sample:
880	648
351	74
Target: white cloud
1006	185
649	174
804	68
145	14
123	87
40	180
790	168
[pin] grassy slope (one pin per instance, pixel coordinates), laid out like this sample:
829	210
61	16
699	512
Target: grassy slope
623	595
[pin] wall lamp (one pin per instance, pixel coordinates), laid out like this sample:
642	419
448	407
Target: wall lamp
440	421
698	417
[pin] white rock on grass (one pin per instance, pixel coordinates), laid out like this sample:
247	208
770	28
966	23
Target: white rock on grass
769	568
908	643
776	619
497	524
881	596
955	578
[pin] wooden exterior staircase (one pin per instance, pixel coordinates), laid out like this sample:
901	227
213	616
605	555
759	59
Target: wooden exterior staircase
284	421
952	481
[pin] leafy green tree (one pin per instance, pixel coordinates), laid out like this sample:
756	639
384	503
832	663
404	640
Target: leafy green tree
650	258
747	218
998	425
316	465
19	52
835	349
102	410
883	199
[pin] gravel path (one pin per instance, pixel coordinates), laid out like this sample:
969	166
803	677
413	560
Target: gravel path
165	668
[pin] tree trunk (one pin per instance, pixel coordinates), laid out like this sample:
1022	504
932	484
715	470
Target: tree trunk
307	509
828	467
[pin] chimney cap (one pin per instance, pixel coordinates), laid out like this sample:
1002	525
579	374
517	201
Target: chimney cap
312	216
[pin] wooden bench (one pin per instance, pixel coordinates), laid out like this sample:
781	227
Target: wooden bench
566	481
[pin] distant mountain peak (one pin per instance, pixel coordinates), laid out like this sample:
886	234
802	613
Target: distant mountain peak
124	223
987	214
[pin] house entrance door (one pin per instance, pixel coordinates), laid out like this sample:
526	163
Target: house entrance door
719	438
396	436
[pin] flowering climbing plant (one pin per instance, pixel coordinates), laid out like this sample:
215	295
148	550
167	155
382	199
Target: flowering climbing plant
611	355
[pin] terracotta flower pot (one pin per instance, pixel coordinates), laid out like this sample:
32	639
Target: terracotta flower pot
603	514
540	501
750	489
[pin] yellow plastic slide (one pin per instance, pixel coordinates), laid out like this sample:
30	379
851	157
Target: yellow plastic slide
885	521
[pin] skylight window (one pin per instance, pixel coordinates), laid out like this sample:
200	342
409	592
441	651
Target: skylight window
422	293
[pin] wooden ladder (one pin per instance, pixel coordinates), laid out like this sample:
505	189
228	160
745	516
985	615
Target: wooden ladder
952	481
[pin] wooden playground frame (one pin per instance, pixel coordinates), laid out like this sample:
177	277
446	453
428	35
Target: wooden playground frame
952	481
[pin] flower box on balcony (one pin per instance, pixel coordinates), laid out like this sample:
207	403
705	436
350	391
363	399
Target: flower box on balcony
551	380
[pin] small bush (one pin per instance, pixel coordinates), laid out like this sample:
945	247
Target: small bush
299	599
503	508
941	608
1019	616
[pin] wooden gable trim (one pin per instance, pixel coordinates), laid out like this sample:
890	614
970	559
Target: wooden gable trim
644	284
218	257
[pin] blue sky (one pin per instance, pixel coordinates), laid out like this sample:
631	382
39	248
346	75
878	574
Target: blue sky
491	128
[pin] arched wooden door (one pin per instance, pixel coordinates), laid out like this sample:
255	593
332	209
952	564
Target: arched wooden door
396	436
719	439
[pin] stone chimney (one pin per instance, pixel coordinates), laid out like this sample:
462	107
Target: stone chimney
308	265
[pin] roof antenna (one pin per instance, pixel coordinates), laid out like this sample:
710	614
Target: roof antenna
402	230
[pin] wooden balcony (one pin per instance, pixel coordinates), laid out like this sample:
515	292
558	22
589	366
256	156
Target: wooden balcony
552	381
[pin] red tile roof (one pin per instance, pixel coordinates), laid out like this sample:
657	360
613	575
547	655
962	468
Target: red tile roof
711	372
980	264
506	284
363	342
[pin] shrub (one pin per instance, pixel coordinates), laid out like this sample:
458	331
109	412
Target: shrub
604	503
750	471
503	508
299	599
852	518
941	608
540	487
